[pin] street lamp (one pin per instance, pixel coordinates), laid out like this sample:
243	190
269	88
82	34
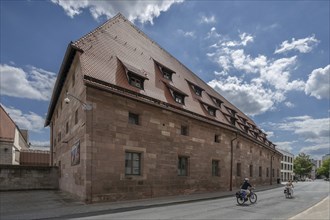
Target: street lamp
85	106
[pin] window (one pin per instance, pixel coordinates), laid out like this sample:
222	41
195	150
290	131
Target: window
55	141
182	166
135	80
132	163
278	172
197	90
184	130
260	153
73	79
250	149
133	118
76	117
211	110
179	98
238	169
273	172
267	172
67	127
260	171
215	168
251	170
59	137
217	138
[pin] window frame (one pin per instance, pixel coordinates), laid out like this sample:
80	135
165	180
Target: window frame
135	80
183	168
184	130
129	164
133	118
238	169
215	168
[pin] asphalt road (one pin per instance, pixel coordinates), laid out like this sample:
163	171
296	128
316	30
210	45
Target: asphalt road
271	204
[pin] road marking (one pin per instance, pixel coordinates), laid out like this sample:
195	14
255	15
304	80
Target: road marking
321	213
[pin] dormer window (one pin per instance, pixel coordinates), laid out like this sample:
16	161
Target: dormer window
211	110
179	98
135	76
166	72
216	101
136	81
196	89
177	94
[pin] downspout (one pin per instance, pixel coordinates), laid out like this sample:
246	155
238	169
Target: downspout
231	162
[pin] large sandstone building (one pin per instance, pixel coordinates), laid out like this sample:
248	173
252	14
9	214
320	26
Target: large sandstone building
129	121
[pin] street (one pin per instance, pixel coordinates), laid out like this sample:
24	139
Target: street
271	204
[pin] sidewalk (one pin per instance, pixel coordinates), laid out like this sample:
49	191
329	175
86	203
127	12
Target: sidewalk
56	204
318	211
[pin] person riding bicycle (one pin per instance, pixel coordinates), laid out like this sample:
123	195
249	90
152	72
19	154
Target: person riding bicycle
289	186
245	187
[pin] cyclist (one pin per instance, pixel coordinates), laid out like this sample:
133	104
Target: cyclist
245	187
289	186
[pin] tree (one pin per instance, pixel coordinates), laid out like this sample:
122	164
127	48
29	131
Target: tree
325	168
302	165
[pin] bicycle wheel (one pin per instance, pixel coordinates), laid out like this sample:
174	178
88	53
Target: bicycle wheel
253	198
240	200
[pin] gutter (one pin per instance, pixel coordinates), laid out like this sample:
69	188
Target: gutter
231	162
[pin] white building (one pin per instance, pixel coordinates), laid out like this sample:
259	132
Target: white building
286	165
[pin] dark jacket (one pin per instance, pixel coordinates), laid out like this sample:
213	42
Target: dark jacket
246	185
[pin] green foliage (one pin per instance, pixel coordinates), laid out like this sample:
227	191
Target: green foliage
302	165
325	168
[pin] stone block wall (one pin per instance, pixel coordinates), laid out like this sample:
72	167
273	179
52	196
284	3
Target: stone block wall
15	177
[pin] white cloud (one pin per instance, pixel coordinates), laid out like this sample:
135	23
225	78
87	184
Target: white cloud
40	145
284	145
302	45
317	151
34	83
244	40
310	129
30	121
213	34
139	10
289	104
318	83
252	99
207	20
190	34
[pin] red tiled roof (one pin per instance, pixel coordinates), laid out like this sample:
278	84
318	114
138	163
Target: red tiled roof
118	44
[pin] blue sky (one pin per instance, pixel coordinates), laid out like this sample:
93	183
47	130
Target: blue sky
269	58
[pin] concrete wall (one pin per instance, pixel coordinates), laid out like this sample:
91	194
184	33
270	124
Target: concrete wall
14	177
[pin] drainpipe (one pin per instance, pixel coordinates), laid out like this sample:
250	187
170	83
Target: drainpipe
231	162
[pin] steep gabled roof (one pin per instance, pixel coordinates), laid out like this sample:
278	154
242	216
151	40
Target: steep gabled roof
118	45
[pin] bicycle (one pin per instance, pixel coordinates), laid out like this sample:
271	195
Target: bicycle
242	198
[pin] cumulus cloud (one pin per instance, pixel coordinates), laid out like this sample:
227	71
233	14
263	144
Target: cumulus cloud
40	145
304	45
30	121
207	20
252	98
263	79
310	129
318	83
139	10
284	145
318	150
34	83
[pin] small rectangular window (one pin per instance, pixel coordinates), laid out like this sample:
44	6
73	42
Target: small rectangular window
184	130
238	169
133	118
273	172
182	166
132	163
260	171
198	90
135	81
217	138
59	137
76	117
215	168
267	172
251	170
67	127
73	79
